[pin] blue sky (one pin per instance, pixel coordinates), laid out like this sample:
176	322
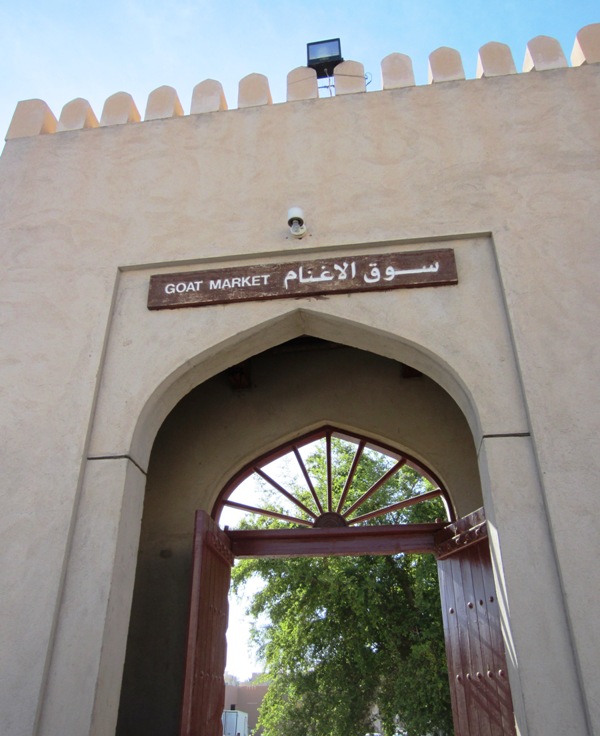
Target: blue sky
63	49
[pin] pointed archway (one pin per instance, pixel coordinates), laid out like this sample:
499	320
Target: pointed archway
219	429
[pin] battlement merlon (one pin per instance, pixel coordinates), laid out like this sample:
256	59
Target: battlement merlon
34	117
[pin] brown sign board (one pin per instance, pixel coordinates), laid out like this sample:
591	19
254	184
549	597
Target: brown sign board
323	277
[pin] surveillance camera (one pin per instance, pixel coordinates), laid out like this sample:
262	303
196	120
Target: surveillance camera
296	222
295	213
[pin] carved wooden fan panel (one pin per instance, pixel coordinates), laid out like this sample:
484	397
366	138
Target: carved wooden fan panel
355	482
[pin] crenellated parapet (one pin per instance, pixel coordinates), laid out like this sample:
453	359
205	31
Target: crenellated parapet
34	117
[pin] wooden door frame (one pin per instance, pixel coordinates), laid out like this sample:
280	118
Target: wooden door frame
336	541
442	539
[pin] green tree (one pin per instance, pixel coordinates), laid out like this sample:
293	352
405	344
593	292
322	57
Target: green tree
346	635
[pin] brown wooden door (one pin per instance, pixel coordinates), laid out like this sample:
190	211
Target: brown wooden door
204	687
481	699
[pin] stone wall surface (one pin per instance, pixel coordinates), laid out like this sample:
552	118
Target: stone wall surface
503	169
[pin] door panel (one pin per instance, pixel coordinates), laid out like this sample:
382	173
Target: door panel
204	687
481	700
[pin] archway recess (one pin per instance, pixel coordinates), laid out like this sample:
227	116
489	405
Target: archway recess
295	389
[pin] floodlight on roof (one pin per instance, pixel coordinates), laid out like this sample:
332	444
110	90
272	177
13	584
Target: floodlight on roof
324	56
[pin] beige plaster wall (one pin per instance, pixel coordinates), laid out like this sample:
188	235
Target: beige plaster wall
88	215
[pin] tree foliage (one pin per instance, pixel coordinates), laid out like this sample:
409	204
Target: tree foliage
344	636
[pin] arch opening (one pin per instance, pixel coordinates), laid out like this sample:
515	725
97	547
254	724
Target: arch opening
213	433
338	481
